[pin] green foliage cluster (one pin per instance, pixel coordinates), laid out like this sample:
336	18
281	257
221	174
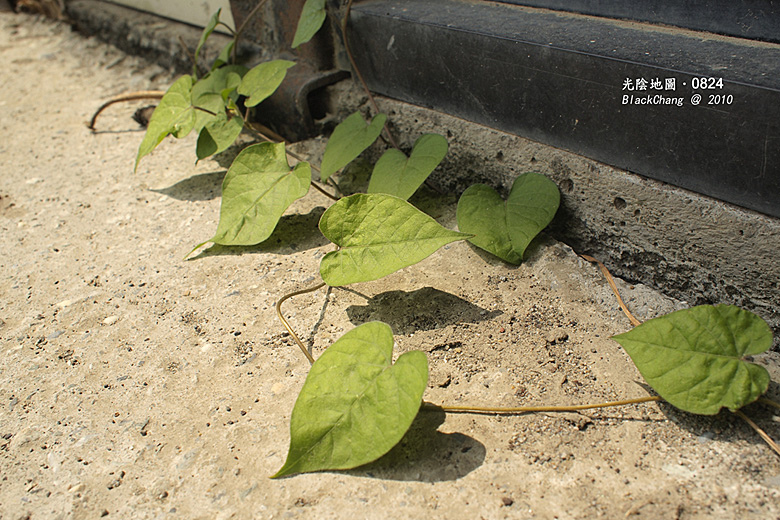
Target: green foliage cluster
356	404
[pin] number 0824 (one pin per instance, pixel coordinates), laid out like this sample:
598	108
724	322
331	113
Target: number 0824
706	83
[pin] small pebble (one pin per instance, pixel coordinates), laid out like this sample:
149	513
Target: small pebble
706	437
110	320
77	488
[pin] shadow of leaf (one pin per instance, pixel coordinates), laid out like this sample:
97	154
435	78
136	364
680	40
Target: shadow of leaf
226	158
127	131
204	186
426	454
431	202
532	252
726	426
293	234
424	309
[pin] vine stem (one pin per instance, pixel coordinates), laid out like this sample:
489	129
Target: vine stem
204	110
536	409
195	67
359	75
611	281
227	28
129	96
287	323
237	34
769	402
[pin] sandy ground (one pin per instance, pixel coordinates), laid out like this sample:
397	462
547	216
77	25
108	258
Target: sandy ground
134	384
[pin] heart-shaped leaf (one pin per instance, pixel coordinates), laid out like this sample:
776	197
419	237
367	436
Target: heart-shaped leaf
312	17
173	115
258	188
693	357
348	140
355	404
395	174
377	234
263	80
218	135
506	229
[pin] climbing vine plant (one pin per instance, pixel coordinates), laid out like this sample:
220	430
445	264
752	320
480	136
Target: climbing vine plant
357	403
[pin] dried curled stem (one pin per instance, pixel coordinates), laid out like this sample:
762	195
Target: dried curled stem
129	96
611	281
767	439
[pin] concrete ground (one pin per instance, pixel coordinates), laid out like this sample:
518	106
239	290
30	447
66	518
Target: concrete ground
134	384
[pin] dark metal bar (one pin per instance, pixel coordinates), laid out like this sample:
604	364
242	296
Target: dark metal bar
576	83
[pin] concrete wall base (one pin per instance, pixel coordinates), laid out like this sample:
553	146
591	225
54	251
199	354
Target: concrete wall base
687	245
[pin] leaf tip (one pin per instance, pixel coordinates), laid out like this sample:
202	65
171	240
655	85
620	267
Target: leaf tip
279	474
187	256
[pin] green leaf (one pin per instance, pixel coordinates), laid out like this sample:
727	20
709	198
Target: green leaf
203	37
693	357
395	174
218	135
224	55
531	206
312	17
186	106
377	235
348	140
482	212
263	80
213	83
506	229
209	95
172	116
355	404
258	188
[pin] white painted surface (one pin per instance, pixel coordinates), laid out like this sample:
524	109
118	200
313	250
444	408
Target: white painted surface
195	12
